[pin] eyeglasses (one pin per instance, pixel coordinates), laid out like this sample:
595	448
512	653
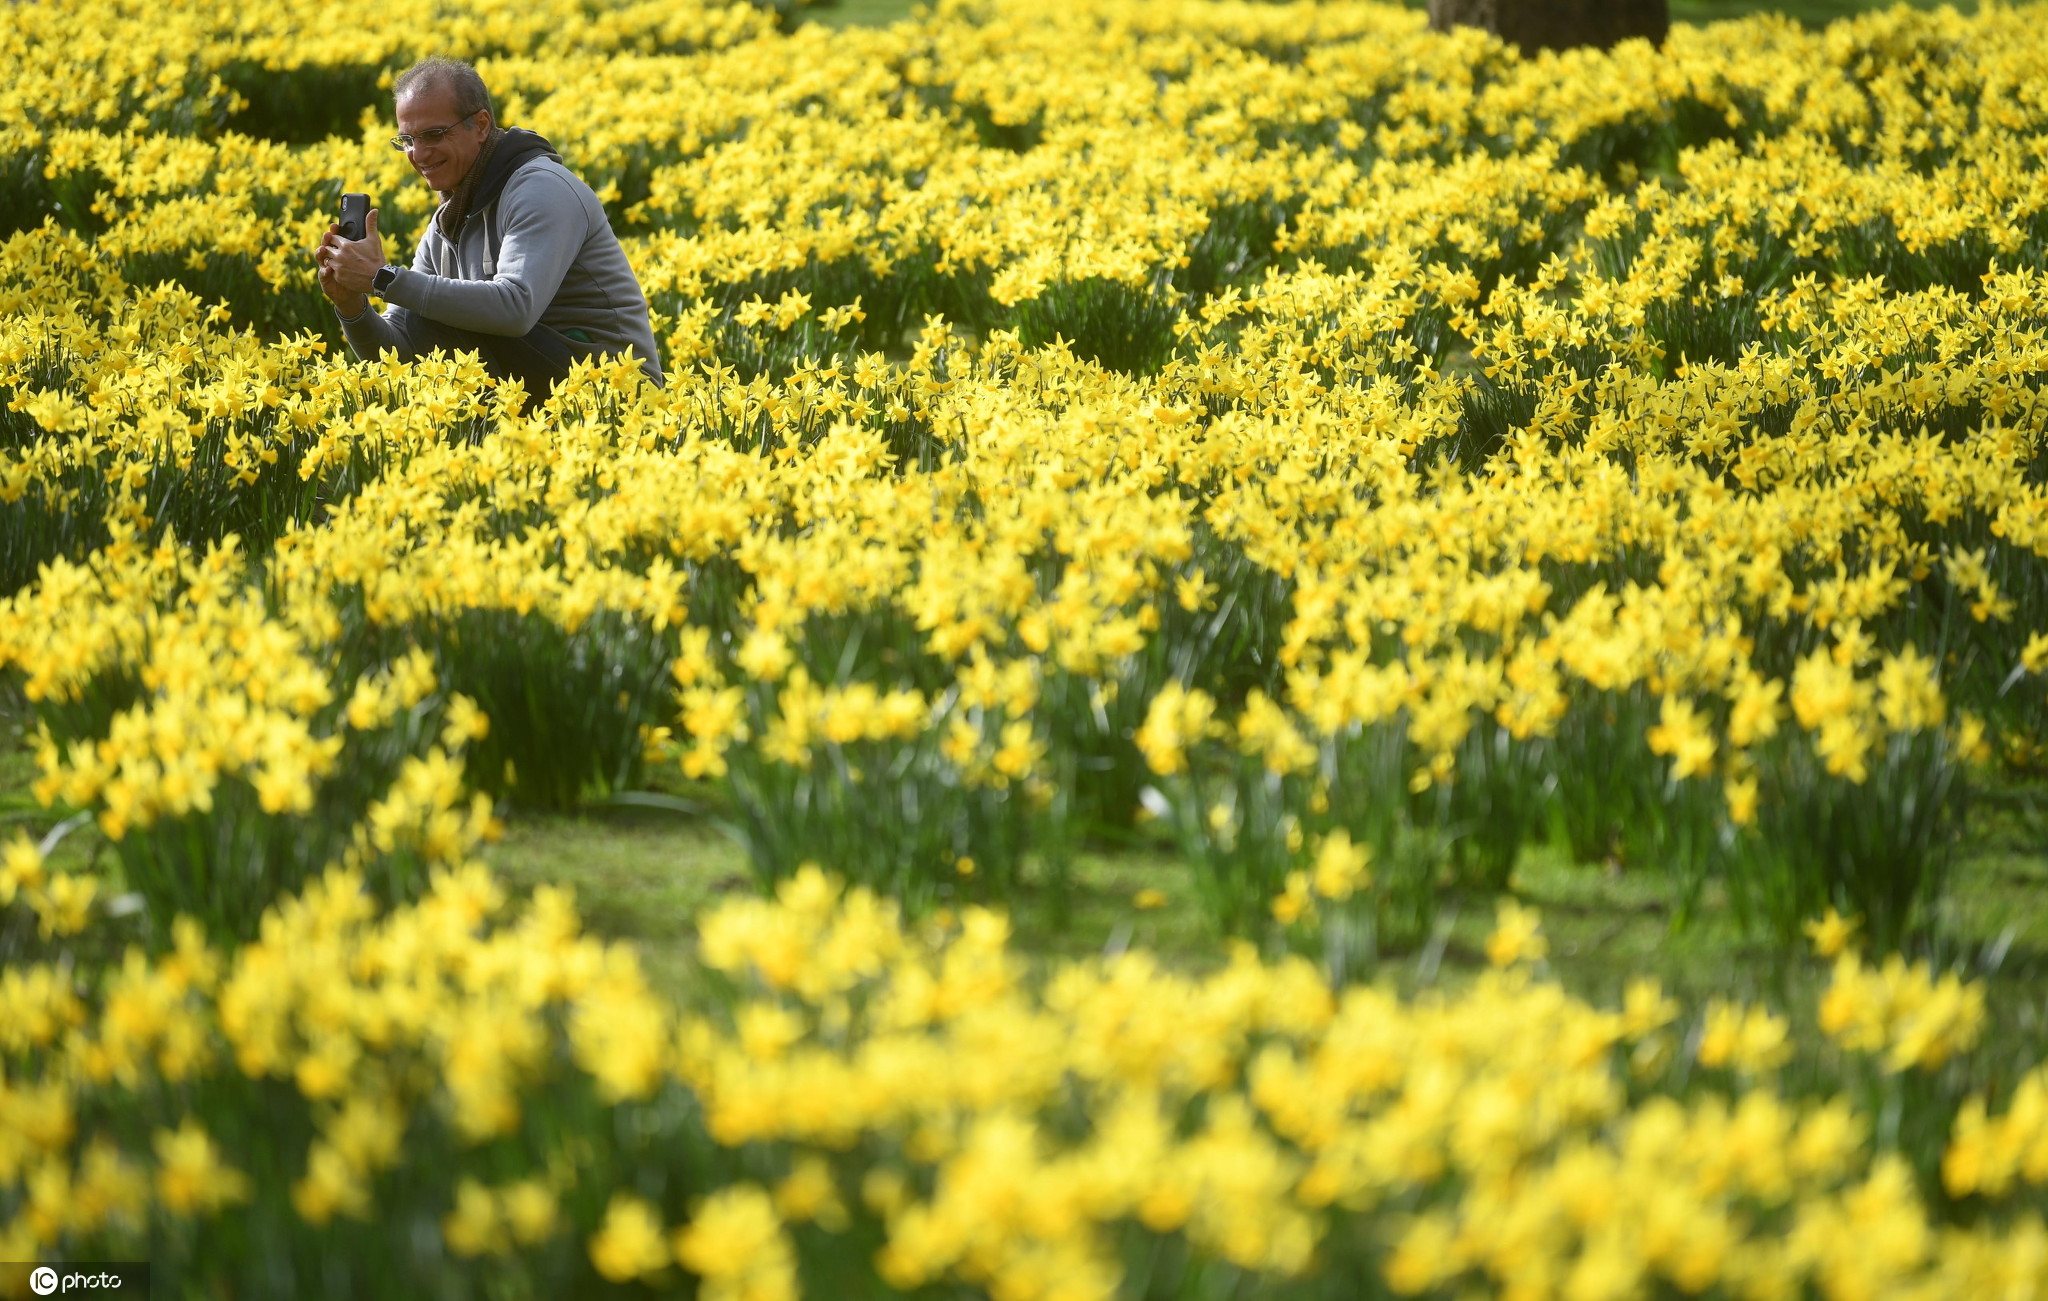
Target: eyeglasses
432	136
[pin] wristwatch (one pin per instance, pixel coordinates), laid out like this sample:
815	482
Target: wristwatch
382	280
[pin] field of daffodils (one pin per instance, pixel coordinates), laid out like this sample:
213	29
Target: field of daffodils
1345	454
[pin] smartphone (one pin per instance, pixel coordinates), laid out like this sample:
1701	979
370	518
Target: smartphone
355	215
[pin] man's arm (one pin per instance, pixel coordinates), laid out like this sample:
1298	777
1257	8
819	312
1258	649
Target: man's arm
347	272
544	226
370	332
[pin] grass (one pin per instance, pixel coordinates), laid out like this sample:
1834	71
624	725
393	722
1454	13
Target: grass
642	871
860	13
642	877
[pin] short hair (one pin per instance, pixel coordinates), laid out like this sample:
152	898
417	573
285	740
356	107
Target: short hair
436	72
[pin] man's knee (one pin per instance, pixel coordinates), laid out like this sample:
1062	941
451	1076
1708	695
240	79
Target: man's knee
423	335
540	358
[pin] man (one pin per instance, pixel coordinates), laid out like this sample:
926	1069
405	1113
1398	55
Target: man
518	264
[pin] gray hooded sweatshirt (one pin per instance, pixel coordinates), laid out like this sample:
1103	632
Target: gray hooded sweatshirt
542	252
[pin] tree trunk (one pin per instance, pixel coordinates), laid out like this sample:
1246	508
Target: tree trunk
1533	25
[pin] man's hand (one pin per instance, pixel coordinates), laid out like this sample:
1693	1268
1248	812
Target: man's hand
347	266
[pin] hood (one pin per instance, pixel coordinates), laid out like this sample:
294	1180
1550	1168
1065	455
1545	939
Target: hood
514	150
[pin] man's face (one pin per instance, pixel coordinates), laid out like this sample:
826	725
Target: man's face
444	163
